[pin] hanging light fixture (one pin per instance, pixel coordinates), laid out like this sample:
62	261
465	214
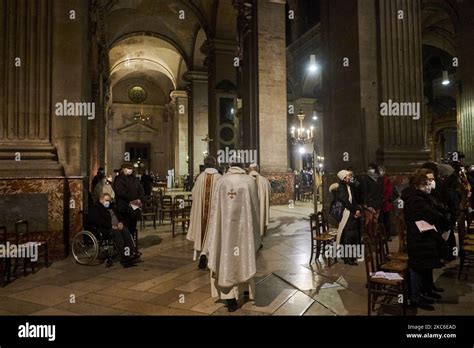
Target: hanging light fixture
313	67
445	78
301	135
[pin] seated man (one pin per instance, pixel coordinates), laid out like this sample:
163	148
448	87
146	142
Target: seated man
103	216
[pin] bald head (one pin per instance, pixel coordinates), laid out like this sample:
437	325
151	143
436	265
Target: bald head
210	162
254	167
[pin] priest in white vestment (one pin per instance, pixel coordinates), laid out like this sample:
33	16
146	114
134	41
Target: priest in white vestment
202	194
264	190
234	237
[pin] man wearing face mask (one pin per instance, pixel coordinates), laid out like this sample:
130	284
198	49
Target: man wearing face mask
372	197
129	195
387	203
102	216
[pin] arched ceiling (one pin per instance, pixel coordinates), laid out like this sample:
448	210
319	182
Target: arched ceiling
437	25
147	58
148	38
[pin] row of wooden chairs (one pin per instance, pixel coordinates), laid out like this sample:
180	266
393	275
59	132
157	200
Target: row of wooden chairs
160	207
20	237
377	257
466	241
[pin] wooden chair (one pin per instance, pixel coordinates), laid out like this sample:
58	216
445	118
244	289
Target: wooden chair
23	236
466	249
382	259
398	256
7	261
320	235
379	288
149	211
166	208
401	231
180	215
178	198
188	203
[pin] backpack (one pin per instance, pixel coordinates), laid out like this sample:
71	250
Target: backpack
336	210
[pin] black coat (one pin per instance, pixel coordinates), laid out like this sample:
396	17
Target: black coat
127	188
342	195
424	249
372	192
100	218
147	183
451	196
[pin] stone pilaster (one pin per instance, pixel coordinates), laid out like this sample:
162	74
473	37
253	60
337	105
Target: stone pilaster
273	127
26	49
199	109
180	123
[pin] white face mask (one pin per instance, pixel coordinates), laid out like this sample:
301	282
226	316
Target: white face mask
433	185
106	205
372	171
426	189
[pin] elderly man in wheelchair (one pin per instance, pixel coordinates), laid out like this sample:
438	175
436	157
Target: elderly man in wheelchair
104	230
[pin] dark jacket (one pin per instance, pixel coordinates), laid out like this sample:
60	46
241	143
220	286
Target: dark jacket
424	249
127	188
147	183
342	195
451	195
372	192
99	217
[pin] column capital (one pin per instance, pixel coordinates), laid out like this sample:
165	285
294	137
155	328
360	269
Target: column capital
178	94
196	76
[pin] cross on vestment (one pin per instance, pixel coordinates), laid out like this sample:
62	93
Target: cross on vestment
232	194
207	140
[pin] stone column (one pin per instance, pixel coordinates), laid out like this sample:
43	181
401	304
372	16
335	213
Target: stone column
465	106
199	109
26	53
180	124
273	132
272	103
403	138
247	38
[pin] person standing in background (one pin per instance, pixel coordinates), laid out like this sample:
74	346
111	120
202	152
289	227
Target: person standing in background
387	205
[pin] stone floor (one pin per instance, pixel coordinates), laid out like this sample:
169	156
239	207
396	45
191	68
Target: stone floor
167	282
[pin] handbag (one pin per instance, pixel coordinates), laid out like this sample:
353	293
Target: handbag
336	210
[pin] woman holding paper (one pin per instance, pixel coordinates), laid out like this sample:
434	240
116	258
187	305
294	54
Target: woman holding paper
423	240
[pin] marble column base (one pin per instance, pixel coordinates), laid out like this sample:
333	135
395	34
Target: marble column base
51	205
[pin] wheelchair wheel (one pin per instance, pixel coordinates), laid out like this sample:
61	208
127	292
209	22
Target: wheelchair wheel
85	248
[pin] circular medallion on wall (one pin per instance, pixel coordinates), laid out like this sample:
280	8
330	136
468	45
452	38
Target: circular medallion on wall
137	94
227	134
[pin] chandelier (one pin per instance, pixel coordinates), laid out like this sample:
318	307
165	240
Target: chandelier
138	95
141	117
301	136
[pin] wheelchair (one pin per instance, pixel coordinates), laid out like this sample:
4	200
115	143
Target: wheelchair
93	246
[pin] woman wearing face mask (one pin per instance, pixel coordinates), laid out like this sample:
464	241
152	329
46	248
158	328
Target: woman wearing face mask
348	232
422	245
442	227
